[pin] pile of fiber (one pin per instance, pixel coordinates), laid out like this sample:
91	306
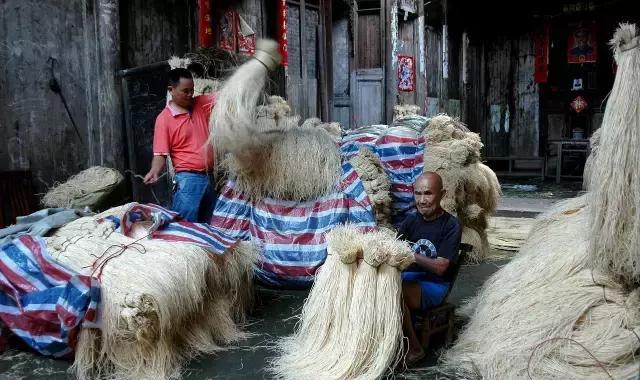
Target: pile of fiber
275	115
96	187
402	110
568	306
472	188
161	302
333	128
376	184
351	323
546	312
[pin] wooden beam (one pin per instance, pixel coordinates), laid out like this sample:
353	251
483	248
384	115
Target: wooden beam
390	18
421	77
303	61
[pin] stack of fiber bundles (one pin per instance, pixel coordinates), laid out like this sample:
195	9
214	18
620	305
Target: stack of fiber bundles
472	188
351	323
568	306
163	299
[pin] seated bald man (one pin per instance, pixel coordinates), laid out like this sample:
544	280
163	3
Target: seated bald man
435	235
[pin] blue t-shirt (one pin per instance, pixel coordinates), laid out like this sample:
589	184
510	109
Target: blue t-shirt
436	238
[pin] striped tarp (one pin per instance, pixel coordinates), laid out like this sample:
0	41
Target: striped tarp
401	150
291	235
41	301
168	226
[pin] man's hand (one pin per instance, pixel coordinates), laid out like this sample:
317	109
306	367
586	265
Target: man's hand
151	177
157	166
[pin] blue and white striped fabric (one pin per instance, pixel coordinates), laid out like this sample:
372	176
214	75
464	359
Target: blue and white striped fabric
41	301
401	151
291	235
167	225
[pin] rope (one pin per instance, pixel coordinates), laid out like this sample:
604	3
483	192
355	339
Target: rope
571	340
121	249
135	175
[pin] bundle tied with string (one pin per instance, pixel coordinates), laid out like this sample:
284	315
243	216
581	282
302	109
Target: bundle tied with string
472	188
615	180
376	184
356	311
270	156
97	187
161	302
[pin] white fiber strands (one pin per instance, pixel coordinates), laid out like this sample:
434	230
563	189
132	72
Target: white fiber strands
376	184
472	188
615	177
402	110
594	144
297	165
233	120
275	115
547	315
161	302
351	324
322	321
88	188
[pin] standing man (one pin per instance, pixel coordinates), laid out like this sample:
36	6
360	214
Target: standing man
435	235
181	132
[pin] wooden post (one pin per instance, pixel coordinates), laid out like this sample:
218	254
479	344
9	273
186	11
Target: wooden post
110	149
390	19
303	61
444	81
421	77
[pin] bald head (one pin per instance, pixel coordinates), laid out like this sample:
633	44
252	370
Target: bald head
428	192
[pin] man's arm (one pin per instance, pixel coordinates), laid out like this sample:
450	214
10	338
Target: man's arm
447	251
158	164
438	265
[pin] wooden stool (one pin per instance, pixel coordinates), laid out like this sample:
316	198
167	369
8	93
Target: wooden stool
436	320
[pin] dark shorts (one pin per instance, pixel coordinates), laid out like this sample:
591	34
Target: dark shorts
432	293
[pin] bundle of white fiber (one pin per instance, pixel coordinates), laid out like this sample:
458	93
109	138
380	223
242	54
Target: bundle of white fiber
161	302
322	321
296	165
547	315
472	188
402	110
351	324
89	188
594	144
376	184
615	177
234	126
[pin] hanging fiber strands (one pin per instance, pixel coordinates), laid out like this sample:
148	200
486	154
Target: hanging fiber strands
547	315
234	126
94	187
615	179
351	324
163	300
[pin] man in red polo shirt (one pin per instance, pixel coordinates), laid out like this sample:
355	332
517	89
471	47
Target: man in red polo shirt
181	132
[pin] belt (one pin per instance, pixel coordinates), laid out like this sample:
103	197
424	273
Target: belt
195	172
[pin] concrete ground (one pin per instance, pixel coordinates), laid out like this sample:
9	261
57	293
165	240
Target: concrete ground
271	320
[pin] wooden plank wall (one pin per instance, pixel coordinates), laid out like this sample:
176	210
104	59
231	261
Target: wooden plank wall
153	31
